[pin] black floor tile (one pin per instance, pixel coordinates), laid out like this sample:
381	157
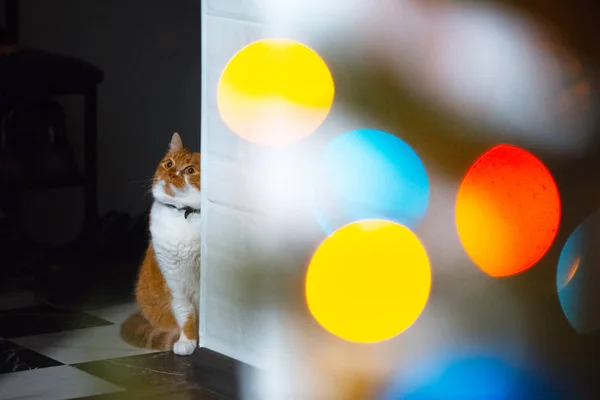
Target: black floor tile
14	358
205	369
40	320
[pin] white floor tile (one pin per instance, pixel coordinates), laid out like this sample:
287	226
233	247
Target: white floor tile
81	345
115	314
54	383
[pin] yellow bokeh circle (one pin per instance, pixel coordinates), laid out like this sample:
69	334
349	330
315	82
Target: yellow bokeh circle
369	281
274	92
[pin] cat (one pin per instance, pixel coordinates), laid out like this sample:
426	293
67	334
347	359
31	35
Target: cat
169	278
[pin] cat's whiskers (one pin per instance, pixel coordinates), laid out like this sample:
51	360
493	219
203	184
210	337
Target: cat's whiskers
147	184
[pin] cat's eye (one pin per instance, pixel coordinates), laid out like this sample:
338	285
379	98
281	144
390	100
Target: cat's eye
169	164
190	170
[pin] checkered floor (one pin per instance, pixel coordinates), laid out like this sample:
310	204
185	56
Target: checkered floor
49	354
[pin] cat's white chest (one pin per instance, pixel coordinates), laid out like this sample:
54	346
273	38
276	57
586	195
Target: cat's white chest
176	242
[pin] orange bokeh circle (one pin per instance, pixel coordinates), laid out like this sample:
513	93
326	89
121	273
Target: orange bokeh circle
507	211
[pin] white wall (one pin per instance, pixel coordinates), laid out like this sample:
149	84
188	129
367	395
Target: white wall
229	222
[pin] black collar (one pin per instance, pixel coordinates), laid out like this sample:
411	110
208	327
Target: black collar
186	210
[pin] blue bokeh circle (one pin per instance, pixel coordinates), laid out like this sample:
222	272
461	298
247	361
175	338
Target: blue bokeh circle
367	174
578	276
470	377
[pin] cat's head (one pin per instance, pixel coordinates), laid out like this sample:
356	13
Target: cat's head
177	178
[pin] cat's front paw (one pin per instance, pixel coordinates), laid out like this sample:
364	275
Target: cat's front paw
184	346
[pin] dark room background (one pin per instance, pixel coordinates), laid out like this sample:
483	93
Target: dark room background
149	51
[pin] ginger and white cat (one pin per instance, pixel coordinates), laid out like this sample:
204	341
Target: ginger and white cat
169	278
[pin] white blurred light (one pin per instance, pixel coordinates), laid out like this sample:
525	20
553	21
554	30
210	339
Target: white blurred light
486	60
314	17
303	363
488	64
481	62
300	361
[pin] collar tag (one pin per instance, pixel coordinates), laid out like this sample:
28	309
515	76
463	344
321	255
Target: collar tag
186	210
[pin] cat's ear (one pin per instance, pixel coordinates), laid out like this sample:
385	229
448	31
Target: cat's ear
176	143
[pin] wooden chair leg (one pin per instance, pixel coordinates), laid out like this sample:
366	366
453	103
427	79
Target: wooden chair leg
91	148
